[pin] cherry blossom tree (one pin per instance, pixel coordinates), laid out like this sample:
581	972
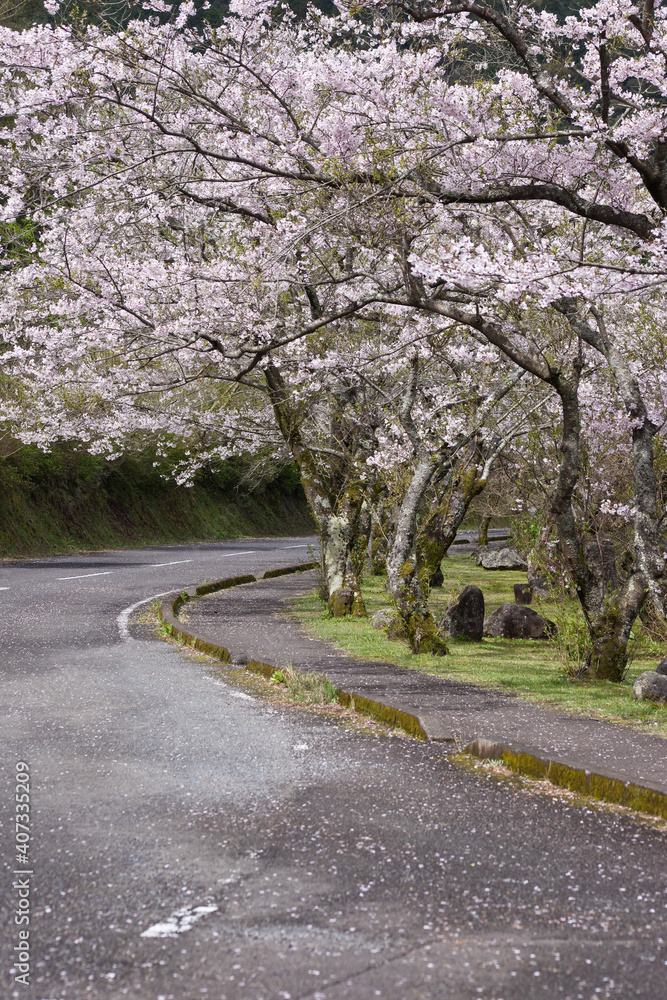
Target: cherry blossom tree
359	165
437	419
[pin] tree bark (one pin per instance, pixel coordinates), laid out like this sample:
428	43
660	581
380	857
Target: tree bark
647	544
441	528
338	534
610	611
483	533
404	581
337	517
362	538
380	531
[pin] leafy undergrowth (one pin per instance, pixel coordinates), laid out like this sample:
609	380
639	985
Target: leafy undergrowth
532	669
68	500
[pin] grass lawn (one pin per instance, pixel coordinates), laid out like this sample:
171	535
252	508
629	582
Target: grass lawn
532	669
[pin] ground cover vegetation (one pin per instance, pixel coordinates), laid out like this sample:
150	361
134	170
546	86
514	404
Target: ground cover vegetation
540	671
67	499
419	249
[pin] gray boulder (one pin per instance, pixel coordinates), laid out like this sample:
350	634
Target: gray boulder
466	617
523	593
539	586
500	558
650	686
512	621
662	667
383	618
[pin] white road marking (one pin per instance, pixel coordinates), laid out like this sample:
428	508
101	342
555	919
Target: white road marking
179	921
4	588
305	546
123	619
84	576
229	555
176	562
232	694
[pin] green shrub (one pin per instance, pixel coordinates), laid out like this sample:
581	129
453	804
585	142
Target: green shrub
307	688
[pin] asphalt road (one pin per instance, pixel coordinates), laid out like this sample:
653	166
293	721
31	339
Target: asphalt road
192	841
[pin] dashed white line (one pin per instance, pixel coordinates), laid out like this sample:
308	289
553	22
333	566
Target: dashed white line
175	562
84	576
229	555
123	619
305	546
4	588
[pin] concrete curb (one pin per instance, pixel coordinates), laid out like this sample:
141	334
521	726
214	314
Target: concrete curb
606	786
530	761
422	729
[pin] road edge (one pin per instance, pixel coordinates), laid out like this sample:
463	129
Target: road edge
604	786
601	785
425	728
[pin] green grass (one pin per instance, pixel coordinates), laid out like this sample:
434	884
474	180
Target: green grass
532	669
305	687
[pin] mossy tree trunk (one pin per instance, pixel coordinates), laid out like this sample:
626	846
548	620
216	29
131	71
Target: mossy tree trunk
408	571
610	609
409	587
609	614
335	498
339	539
483	533
404	581
441	527
648	547
362	539
380	532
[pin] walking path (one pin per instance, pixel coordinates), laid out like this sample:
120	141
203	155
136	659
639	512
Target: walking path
250	622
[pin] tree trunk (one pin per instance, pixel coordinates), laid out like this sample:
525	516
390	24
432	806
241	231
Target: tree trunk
404	581
483	533
441	528
648	549
647	543
362	537
338	534
610	632
379	548
380	532
610	611
337	518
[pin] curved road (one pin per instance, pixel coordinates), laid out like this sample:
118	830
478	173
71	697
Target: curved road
191	841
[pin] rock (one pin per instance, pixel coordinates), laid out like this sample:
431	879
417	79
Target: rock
511	621
539	586
500	559
340	603
662	667
383	618
522	593
650	686
466	617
